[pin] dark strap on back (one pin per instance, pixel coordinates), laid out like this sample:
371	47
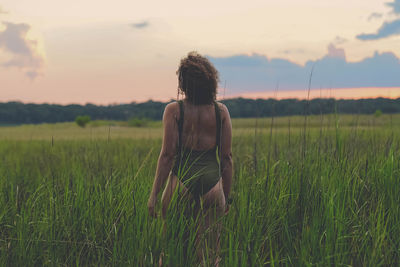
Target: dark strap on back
218	123
218	119
180	123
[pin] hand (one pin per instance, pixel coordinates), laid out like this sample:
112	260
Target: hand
151	204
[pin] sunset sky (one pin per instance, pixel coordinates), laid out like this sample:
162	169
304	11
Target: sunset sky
121	51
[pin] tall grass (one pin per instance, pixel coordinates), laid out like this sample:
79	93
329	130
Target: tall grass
83	201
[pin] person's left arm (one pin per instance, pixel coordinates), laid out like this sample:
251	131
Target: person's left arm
167	154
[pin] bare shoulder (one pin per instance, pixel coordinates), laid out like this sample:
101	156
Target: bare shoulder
171	106
171	111
224	110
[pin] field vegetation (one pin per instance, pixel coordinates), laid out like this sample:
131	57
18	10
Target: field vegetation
321	190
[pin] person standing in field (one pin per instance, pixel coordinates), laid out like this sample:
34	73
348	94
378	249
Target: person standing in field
196	155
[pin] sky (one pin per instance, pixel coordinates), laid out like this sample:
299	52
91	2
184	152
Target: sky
122	51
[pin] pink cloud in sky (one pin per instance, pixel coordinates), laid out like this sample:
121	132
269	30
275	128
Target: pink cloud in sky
333	51
24	55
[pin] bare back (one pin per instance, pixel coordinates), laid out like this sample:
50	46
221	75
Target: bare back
199	126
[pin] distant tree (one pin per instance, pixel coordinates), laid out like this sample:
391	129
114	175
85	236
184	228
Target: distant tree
82	120
378	113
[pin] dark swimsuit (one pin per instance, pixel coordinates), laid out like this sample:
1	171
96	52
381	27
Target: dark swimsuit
199	170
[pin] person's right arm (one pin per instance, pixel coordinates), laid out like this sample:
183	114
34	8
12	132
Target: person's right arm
226	151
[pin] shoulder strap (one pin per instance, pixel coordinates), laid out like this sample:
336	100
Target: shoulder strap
180	122
218	120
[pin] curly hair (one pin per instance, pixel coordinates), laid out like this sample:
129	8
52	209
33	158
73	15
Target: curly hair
198	79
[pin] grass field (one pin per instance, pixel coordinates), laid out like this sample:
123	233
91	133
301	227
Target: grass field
323	192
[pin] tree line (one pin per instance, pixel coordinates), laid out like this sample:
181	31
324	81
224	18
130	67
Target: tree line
20	113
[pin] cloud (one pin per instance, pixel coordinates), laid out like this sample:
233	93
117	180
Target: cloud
24	51
258	73
140	25
395	6
375	15
386	30
333	51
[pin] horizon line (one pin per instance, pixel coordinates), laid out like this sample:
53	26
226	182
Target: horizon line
323	93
